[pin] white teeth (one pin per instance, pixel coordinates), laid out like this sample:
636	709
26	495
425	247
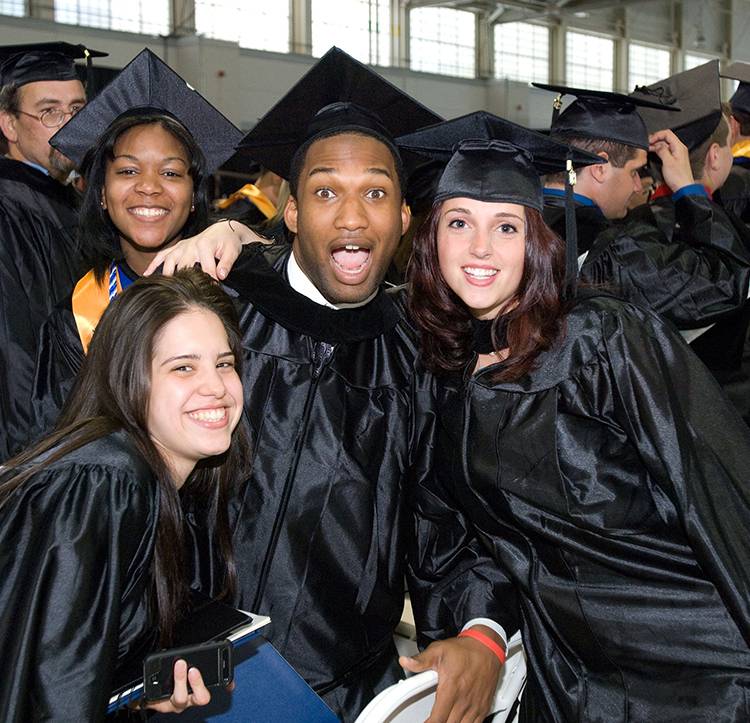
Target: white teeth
480	273
209	415
348	270
351	247
149	212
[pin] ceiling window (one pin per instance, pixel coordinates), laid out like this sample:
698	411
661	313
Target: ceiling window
360	27
442	40
263	26
646	64
150	17
522	52
589	61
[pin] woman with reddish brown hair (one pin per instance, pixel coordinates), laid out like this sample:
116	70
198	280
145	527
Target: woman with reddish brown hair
582	476
534	313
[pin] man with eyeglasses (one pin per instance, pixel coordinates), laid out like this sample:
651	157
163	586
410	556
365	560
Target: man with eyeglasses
39	262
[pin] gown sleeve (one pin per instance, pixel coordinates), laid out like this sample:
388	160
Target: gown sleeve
695	447
734	194
34	269
692	279
75	542
451	575
59	359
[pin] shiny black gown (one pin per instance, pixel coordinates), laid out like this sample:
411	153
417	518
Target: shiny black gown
76	546
722	310
590	221
59	358
734	195
602	502
39	264
692	268
318	541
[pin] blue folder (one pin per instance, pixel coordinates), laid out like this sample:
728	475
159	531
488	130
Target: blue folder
267	690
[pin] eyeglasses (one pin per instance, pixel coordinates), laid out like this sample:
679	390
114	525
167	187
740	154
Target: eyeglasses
52	117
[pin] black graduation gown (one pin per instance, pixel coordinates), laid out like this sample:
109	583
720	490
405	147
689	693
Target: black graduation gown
590	221
59	358
692	270
734	195
39	264
318	541
76	546
721	348
610	487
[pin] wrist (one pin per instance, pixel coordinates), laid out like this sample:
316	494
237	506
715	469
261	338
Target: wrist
488	638
493	626
680	183
241	232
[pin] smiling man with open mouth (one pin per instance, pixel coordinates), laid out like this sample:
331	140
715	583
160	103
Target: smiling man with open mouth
320	539
347	214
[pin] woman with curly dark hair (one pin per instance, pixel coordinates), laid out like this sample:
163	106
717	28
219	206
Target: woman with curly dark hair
146	146
584	478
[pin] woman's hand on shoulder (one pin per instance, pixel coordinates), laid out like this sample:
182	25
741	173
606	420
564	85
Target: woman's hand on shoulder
215	249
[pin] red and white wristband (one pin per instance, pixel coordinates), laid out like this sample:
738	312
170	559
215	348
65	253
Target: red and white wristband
469	632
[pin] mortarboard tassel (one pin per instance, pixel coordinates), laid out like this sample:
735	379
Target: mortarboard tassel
89	63
556	105
571	232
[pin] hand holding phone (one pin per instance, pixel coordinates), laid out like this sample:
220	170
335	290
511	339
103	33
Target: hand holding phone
213	660
180	698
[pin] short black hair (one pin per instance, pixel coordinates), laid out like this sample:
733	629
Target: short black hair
300	155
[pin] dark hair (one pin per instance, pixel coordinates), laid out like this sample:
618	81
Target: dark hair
618	154
743	119
300	155
112	393
533	324
720	136
98	236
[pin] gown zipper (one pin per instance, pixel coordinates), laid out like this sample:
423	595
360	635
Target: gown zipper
322	353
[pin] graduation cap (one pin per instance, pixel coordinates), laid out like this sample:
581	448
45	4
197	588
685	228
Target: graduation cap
740	101
338	94
697	93
602	115
493	160
31	62
422	183
148	85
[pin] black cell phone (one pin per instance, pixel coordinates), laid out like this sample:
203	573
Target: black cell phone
214	660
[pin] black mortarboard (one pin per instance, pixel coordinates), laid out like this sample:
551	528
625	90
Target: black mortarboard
601	115
148	84
491	159
697	93
422	183
336	95
29	63
740	101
